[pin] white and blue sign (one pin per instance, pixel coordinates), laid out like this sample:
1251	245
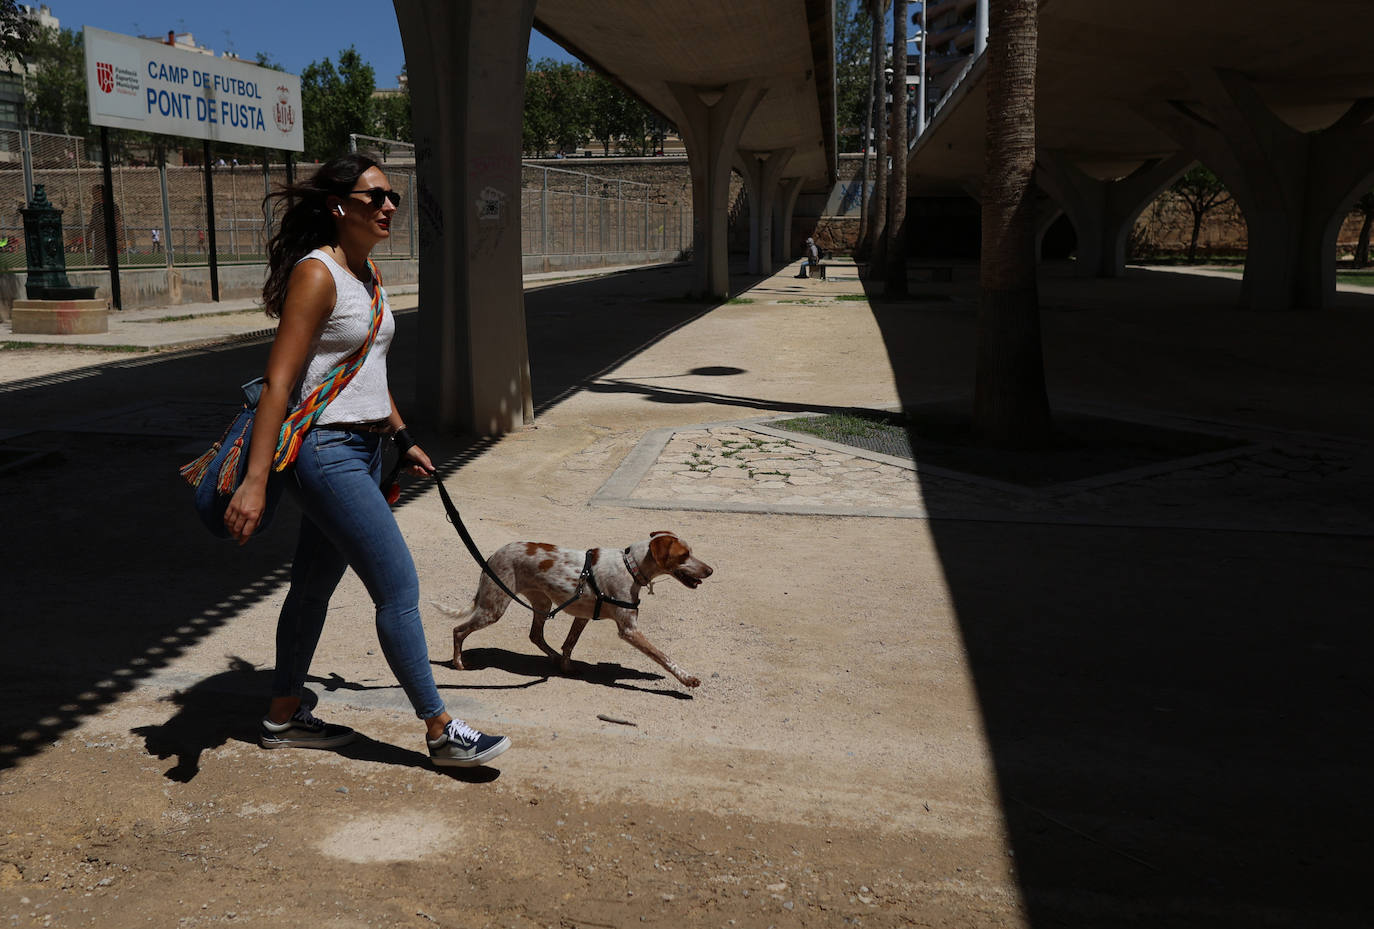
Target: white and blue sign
145	85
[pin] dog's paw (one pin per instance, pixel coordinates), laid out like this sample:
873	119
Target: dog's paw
691	681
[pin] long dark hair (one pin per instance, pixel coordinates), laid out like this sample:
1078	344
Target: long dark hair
305	224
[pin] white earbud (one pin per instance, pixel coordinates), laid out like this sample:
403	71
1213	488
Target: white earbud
339	210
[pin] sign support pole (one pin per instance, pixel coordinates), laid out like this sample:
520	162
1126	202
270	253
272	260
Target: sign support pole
111	237
210	220
166	208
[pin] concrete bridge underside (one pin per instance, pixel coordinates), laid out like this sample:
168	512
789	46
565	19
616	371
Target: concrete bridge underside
748	83
1276	100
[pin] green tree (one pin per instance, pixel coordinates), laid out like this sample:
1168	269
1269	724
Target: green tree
1202	191
569	89
538	127
613	115
336	102
853	24
391	113
634	126
17	30
55	89
392	116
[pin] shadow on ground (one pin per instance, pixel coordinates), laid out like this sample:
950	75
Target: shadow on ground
1179	718
225	707
541	668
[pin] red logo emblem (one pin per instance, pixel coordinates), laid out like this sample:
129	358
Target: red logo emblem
104	76
284	113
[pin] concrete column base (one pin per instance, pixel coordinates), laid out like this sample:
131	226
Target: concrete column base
1294	187
711	120
472	365
1103	212
761	173
61	317
784	205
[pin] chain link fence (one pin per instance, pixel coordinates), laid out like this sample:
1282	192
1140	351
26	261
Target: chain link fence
160	215
563	213
567	213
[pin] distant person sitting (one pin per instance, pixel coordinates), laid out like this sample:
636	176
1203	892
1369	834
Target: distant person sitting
813	258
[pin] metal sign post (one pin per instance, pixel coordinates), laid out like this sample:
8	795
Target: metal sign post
210	220
166	207
108	206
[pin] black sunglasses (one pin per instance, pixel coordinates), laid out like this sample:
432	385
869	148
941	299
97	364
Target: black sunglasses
375	196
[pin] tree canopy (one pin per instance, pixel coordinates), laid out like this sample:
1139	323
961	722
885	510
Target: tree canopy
17	30
336	101
1202	191
55	90
853	49
568	105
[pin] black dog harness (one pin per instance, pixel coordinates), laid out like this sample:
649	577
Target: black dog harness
585	580
588	579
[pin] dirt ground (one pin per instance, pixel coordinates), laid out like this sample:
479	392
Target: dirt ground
896	716
17	364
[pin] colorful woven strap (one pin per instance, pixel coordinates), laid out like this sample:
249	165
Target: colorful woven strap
299	420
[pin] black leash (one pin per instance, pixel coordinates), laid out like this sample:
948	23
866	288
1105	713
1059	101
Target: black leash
463	534
586	579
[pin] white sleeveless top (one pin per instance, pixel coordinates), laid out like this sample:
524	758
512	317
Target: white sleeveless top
365	398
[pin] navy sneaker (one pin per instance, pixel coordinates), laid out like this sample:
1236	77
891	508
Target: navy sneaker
303	730
461	746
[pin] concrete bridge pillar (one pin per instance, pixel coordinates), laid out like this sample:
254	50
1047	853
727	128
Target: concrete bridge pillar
784	205
467	63
761	172
1294	187
1103	212
713	119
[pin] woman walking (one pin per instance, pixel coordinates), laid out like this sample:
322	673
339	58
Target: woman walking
321	285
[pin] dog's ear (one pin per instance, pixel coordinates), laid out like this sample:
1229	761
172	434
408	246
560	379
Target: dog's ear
666	549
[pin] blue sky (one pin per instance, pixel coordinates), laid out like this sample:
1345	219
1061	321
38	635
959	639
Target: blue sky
292	34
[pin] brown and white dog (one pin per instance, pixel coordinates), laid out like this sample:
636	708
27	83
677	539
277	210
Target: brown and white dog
548	576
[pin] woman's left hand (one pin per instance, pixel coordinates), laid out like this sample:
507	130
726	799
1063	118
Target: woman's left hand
418	462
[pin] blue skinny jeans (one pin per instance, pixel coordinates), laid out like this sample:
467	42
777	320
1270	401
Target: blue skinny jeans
347	522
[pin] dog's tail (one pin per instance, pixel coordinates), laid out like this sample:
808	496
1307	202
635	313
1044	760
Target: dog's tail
450	611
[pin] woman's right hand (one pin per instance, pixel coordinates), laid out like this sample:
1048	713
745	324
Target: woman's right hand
309	301
245	511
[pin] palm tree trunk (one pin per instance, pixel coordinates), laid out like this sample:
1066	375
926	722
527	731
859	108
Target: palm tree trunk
874	72
896	211
1011	407
877	206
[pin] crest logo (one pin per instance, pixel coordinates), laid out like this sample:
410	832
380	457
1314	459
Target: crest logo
284	113
104	76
